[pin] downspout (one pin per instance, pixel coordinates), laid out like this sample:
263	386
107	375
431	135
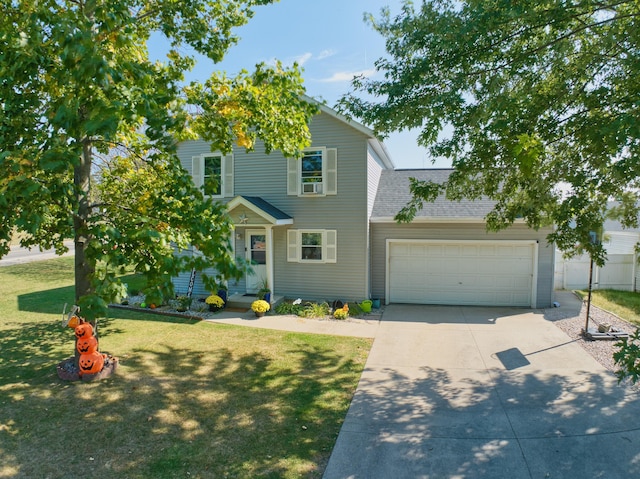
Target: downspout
268	230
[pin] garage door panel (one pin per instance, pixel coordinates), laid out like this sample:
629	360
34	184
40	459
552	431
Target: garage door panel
469	251
482	273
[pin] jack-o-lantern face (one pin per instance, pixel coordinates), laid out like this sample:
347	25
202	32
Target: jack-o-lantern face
91	363
84	330
87	345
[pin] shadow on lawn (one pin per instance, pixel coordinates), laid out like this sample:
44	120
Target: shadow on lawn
176	413
30	350
53	301
48	301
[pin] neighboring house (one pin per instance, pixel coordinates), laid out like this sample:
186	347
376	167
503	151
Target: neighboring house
620	270
322	228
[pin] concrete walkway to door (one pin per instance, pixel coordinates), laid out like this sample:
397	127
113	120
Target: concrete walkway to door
471	392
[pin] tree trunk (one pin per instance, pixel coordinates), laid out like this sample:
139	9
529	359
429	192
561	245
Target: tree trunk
82	181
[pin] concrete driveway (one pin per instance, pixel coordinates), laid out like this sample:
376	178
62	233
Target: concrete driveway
469	392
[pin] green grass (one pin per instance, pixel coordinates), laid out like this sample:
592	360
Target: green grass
625	304
189	399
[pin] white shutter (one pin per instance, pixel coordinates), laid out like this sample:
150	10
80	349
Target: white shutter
331	172
293	177
227	180
197	169
292	246
331	246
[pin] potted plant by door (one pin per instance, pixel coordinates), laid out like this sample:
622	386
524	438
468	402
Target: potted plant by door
264	293
223	292
260	307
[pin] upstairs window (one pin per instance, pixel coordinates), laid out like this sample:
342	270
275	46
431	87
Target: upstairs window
214	174
311	171
315	174
212	181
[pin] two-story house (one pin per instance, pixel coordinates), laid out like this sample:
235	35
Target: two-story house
322	228
304	224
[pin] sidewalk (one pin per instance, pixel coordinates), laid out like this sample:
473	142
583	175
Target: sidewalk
361	328
19	255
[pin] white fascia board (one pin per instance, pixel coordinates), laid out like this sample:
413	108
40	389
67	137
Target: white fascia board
382	152
423	219
434	219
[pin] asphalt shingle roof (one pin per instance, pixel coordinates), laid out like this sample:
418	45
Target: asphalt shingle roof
393	194
267	207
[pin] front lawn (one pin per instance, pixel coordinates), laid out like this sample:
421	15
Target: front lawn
190	398
625	304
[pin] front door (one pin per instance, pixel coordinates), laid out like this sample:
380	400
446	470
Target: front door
256	248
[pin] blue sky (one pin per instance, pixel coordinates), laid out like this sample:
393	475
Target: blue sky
331	42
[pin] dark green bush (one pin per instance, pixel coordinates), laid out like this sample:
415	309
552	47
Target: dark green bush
287	307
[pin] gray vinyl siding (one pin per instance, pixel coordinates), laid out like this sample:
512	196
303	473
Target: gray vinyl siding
374	171
189	149
259	174
373	180
461	231
181	282
345	212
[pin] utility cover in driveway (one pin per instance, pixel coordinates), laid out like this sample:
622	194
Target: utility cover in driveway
492	273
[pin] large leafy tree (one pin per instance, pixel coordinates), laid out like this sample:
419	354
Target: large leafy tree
81	101
536	103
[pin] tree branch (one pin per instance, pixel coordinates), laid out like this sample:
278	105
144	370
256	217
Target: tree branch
548	44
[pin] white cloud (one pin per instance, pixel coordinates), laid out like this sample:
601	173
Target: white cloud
326	54
348	76
302	59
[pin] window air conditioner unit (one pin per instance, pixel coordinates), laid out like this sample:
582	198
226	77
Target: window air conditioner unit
311	188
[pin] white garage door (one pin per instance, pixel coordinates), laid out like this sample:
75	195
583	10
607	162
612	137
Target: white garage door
495	273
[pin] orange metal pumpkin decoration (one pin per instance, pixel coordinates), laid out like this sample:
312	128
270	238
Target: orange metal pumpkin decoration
91	363
87	345
84	330
74	322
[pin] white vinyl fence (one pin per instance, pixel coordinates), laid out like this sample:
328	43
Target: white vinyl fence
619	272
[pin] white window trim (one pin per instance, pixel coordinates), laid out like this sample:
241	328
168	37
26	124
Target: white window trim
329	246
226	173
329	174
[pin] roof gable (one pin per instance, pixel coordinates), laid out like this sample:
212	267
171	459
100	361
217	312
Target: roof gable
374	142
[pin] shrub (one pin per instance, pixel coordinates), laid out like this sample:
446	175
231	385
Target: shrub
215	300
153	295
314	310
184	302
355	309
289	308
341	314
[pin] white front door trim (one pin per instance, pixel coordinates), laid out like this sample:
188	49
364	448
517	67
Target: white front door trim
263	271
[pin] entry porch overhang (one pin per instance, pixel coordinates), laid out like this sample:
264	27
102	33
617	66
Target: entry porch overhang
253	211
251	215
